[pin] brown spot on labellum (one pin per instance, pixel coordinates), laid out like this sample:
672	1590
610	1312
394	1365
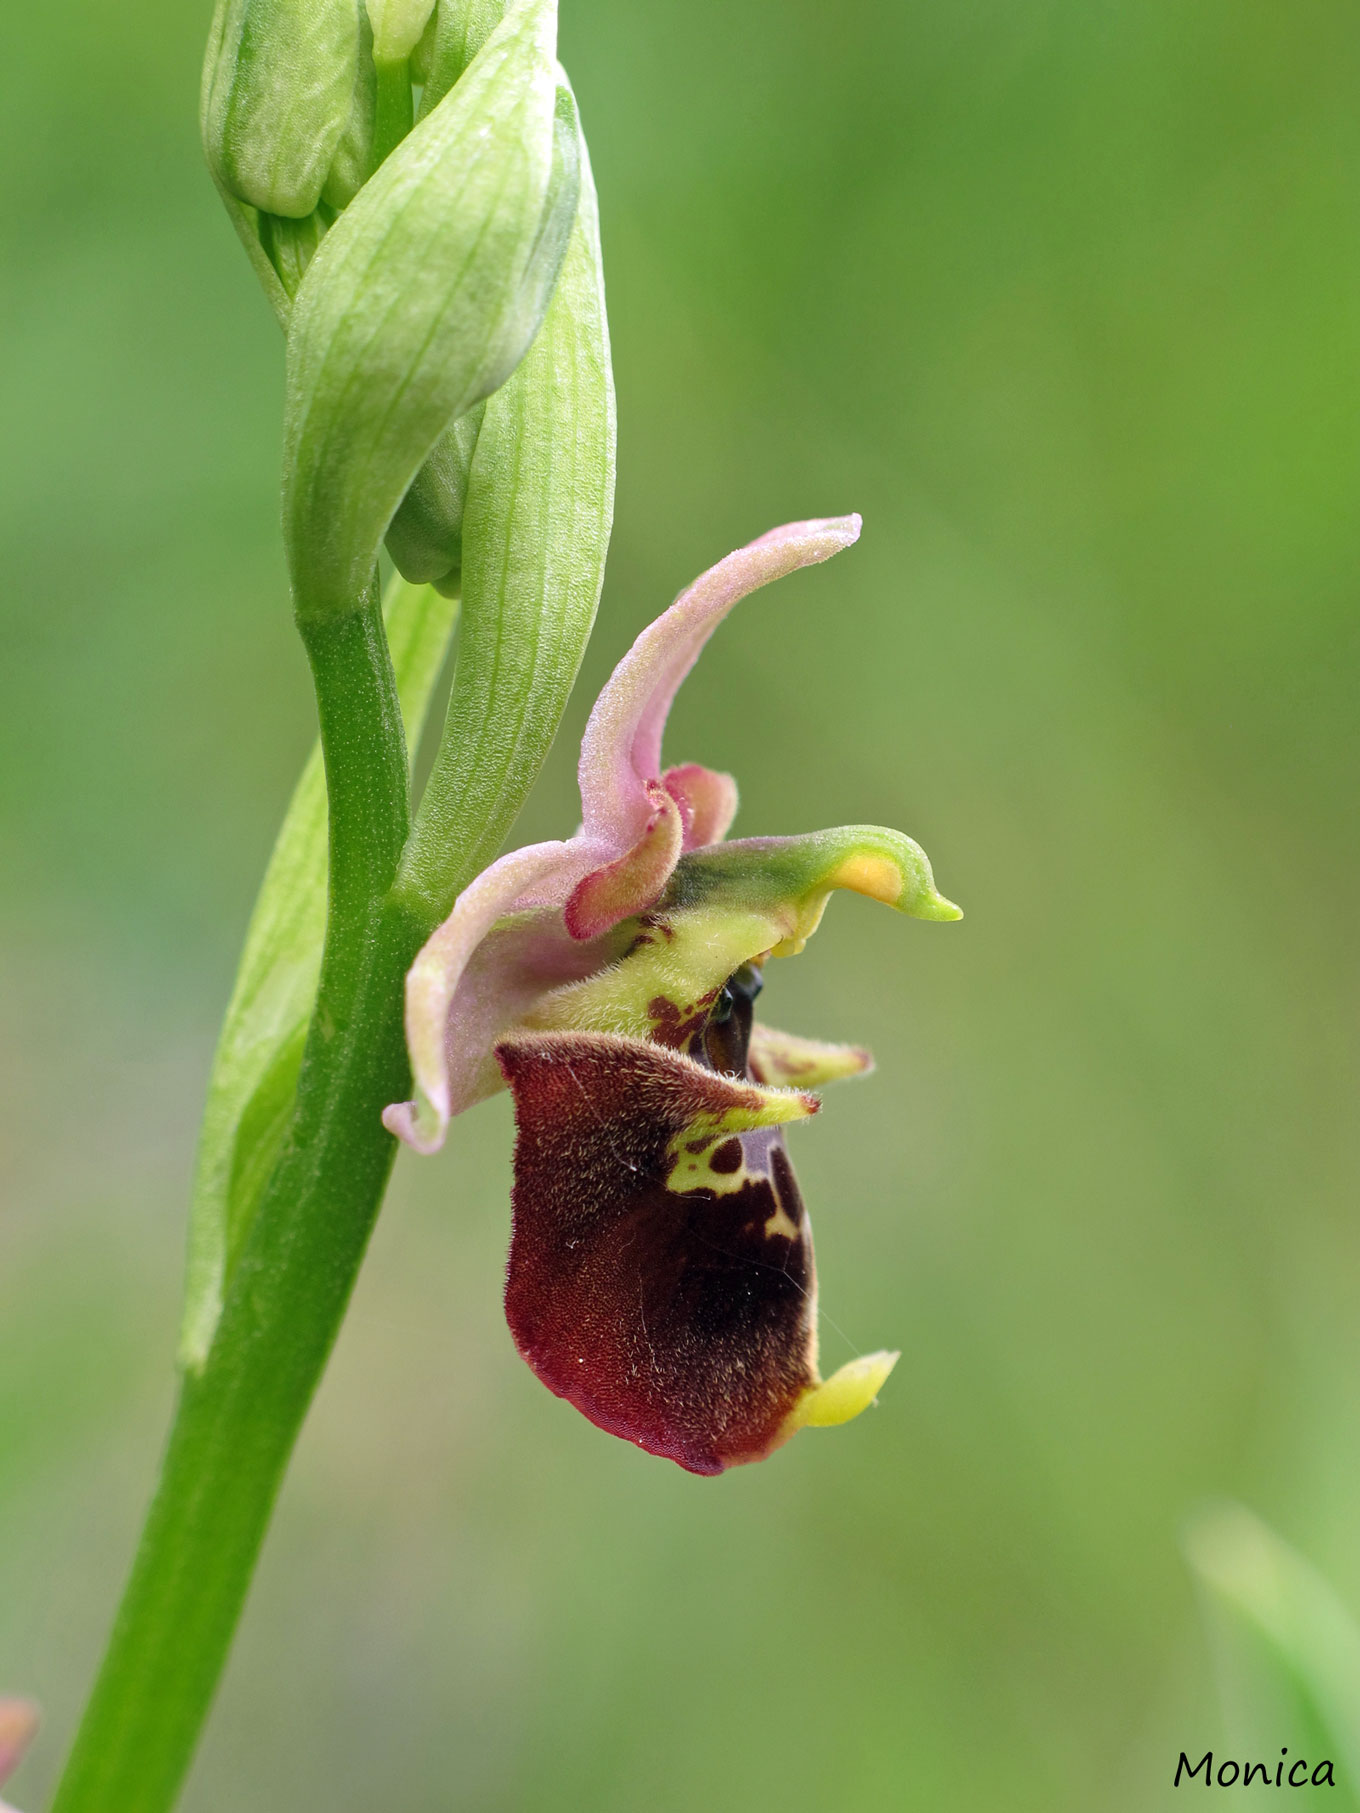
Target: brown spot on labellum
727	1158
786	1185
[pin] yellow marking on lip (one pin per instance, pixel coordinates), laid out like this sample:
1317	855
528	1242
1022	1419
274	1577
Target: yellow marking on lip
779	1223
692	1171
877	876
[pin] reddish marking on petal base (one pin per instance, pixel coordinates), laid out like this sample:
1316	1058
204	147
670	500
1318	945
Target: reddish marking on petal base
636	880
674	1026
681	1321
707	801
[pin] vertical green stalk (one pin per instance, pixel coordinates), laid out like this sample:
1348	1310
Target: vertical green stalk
419	303
237	1421
394	111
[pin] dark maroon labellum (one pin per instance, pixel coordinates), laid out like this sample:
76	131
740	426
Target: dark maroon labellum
660	1271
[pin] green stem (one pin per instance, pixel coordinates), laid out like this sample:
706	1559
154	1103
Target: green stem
238	1419
394	113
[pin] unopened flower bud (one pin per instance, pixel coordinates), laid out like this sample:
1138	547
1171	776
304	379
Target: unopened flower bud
278	87
426	534
425	537
354	159
456	31
397	25
290	245
422	300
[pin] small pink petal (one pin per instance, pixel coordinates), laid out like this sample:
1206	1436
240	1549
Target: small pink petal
538	875
707	802
633	881
621	750
18	1722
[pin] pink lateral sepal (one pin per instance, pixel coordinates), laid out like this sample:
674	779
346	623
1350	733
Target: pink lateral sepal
455	997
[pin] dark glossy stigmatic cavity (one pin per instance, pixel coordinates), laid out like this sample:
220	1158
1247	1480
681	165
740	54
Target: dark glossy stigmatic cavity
725	1040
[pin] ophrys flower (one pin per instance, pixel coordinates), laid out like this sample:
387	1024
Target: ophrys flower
661	1271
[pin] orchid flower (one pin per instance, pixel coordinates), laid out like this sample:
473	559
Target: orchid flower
18	1722
661	1271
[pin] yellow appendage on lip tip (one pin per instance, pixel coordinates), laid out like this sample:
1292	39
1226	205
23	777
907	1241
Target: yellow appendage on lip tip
840	1398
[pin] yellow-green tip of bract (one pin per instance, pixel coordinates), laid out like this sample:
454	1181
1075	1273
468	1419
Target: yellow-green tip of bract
848	1391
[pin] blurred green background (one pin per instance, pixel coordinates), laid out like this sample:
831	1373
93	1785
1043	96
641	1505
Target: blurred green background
1062	294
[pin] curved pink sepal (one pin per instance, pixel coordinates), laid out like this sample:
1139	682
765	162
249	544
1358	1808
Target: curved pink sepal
621	749
661	1270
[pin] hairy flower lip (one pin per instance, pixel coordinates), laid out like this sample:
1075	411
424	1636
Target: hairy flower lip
636	1243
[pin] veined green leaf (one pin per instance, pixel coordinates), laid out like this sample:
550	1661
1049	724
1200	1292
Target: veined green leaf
1287	1648
259	1051
420	302
535	534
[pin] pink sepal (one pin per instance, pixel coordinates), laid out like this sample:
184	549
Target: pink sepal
438	982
